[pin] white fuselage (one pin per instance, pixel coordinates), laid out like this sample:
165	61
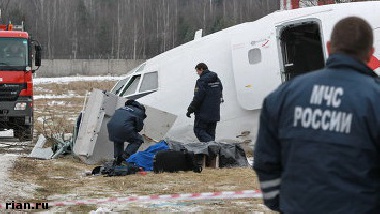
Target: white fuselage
249	60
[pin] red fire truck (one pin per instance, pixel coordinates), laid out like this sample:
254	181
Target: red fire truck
20	57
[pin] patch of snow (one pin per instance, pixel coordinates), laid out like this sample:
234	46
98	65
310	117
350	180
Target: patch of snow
100	210
6	133
8	186
73	79
250	160
49	96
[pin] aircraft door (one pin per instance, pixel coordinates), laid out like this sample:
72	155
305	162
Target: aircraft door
301	47
255	67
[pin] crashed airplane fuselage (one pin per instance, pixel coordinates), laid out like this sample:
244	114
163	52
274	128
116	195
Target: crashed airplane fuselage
251	59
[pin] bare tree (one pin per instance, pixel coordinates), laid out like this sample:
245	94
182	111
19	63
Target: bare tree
126	28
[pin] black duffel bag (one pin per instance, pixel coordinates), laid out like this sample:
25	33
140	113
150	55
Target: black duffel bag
175	161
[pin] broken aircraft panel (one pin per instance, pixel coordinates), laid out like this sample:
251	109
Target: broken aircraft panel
92	145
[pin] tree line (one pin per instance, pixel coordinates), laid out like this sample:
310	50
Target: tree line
133	29
125	29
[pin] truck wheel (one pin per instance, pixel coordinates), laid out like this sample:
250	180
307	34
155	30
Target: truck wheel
24	133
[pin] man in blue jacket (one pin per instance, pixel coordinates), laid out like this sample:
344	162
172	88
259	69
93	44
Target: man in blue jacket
124	126
206	103
318	146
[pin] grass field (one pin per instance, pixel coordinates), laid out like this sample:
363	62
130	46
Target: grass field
64	178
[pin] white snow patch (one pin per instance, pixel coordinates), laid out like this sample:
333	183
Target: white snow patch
12	189
6	133
49	96
73	79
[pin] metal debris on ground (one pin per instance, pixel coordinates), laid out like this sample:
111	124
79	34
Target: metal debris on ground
61	146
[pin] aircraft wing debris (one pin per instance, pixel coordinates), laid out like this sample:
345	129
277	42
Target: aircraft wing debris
40	152
92	145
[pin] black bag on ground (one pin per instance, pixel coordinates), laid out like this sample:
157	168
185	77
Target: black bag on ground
175	161
122	170
103	169
108	169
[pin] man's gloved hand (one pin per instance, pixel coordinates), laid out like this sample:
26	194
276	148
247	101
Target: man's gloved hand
189	112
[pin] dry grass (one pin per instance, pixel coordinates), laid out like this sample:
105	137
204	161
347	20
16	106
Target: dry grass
79	88
58	115
64	179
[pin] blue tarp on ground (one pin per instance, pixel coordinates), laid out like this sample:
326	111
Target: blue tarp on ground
230	154
145	158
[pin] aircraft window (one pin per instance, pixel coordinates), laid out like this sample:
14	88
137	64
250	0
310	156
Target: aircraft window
254	56
119	85
149	82
132	86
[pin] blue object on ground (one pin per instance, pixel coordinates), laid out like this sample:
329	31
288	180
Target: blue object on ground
145	158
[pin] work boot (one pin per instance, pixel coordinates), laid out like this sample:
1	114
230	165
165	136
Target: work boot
125	156
121	160
124	159
117	161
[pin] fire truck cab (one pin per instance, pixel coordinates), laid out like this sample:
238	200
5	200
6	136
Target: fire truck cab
18	51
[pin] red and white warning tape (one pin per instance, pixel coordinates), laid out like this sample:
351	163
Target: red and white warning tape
172	197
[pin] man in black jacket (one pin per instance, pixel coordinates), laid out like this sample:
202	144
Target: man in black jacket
318	146
206	103
124	126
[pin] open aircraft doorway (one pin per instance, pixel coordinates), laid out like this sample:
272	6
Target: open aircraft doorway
301	48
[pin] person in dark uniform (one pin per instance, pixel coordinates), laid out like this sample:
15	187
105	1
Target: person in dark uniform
124	126
318	145
206	103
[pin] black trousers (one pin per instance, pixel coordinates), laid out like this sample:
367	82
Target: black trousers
133	146
204	131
